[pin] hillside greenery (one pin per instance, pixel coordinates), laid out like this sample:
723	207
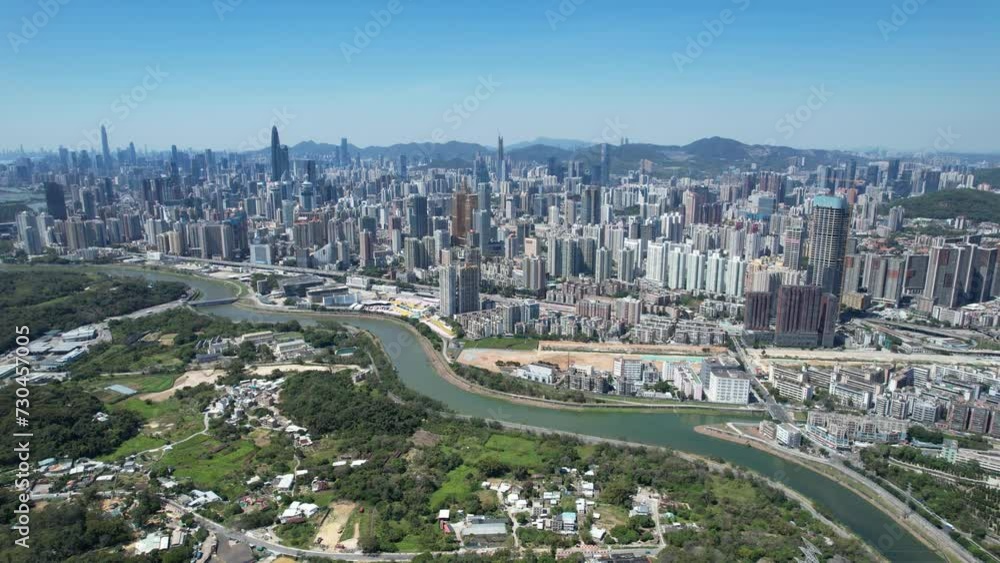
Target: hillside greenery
62	424
975	205
57	299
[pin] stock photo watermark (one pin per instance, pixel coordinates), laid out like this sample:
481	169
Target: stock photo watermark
900	16
944	141
32	25
262	138
562	12
790	123
713	29
364	35
223	7
123	106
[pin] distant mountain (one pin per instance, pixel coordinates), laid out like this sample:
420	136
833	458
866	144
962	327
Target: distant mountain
565	144
711	155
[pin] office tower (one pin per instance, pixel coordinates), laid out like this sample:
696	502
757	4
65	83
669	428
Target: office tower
344	155
276	170
656	263
468	288
590	205
798	319
55	200
483	228
602	265
464	203
828	233
757	313
106	151
416	216
403	174
131	154
534	273
366	256
501	161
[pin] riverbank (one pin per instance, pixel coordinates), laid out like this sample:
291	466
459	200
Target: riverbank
921	529
672	429
445	370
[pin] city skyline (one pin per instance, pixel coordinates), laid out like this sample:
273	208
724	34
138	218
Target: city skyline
863	74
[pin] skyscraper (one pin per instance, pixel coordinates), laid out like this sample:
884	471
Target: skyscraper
105	150
590	205
276	170
461	216
828	233
757	315
798	319
345	158
55	200
501	161
416	216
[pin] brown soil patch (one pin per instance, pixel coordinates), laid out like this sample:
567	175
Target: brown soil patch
189	379
333	525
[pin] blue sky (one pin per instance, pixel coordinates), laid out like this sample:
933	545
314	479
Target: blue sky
218	81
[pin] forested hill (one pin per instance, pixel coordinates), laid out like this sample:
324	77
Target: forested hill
975	205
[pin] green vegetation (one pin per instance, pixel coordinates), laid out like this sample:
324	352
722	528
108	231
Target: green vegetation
517	386
972	442
63	424
512	343
972	508
989	176
53	299
975	205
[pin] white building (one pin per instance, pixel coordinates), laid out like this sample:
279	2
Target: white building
731	387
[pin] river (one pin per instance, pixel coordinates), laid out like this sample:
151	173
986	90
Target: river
662	429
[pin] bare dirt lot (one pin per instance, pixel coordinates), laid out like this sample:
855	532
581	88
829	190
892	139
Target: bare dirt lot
189	379
332	527
487	358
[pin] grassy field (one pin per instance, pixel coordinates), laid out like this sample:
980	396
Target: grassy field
134	445
455	486
209	463
524	344
153	383
513	450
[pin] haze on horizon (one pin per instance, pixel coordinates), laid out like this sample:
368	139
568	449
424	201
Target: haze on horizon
896	74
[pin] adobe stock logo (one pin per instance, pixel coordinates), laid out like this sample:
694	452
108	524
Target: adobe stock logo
714	28
32	26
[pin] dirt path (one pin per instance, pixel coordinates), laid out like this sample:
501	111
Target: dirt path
332	527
